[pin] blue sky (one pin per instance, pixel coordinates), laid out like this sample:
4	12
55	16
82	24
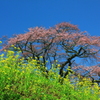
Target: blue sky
16	16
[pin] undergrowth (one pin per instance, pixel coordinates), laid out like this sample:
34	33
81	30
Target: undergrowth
26	81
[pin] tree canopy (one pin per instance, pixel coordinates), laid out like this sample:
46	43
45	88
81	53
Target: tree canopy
63	43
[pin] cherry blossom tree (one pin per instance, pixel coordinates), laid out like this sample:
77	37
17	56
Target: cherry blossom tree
63	43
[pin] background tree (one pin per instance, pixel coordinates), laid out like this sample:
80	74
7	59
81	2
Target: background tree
63	43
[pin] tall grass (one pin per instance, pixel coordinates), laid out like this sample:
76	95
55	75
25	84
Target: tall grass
26	81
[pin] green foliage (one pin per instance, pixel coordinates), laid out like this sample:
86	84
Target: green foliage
26	81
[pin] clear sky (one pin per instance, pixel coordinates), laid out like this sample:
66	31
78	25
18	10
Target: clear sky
16	16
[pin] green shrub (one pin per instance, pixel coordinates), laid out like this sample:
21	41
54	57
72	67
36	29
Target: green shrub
26	81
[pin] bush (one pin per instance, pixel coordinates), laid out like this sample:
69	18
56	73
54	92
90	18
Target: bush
26	81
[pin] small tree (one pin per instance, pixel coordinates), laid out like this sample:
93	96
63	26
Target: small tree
63	43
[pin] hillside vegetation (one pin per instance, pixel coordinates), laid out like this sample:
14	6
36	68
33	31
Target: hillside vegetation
28	81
